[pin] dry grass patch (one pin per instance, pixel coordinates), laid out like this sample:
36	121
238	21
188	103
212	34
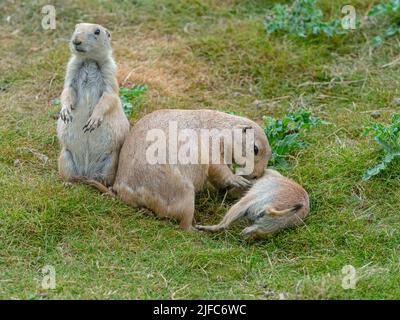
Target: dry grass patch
164	63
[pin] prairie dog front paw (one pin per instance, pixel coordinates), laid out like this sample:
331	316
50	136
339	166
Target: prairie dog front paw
66	115
93	123
240	182
249	232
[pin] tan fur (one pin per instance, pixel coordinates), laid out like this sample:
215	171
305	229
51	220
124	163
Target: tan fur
169	189
279	213
92	125
272	204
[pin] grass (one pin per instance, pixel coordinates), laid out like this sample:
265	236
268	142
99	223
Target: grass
195	54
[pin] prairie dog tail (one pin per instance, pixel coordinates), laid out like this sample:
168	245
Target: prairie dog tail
237	211
96	184
279	213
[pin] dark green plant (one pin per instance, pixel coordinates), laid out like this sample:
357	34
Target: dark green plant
285	135
388	138
131	97
391	11
302	19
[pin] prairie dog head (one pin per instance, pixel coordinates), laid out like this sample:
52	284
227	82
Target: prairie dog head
262	154
91	41
259	147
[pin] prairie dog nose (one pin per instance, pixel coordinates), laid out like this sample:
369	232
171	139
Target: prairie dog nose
76	42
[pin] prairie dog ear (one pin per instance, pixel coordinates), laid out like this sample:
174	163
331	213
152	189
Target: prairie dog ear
244	127
107	33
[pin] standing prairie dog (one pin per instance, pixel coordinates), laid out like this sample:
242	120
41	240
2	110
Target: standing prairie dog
272	204
92	125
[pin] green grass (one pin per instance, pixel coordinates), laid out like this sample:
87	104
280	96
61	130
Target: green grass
196	54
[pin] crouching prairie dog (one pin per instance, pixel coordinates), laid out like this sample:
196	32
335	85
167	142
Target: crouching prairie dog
272	204
92	125
168	187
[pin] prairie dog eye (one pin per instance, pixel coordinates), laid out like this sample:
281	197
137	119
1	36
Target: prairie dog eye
255	150
97	32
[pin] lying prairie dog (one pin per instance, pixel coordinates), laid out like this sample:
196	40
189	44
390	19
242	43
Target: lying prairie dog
272	204
168	189
92	125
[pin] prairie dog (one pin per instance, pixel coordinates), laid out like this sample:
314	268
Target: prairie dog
272	204
169	189
92	125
